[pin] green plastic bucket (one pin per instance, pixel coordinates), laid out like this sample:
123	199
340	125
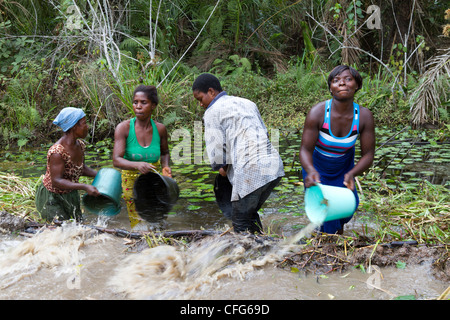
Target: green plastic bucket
154	195
326	203
108	182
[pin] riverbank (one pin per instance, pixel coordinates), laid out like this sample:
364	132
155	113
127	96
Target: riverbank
209	264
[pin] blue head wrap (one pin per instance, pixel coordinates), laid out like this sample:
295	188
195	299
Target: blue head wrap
68	117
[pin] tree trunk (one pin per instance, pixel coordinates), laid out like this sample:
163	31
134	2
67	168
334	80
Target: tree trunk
395	23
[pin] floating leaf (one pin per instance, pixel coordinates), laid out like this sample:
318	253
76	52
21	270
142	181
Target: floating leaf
400	265
407	297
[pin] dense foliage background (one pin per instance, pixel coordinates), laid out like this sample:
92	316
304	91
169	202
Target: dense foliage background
92	54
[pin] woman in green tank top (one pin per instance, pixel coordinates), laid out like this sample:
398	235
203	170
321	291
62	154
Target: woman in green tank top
140	146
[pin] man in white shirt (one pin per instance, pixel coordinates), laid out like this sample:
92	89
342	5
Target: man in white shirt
238	145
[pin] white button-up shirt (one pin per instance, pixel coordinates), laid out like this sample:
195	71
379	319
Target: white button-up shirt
235	135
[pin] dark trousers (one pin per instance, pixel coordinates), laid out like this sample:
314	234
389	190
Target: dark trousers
244	215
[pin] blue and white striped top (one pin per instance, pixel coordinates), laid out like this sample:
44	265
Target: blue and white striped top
332	146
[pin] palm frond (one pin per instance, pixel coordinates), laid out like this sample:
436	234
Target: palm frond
428	97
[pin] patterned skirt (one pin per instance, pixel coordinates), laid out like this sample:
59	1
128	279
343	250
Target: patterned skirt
128	179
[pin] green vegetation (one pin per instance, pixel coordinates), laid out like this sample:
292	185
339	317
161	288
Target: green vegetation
91	54
404	196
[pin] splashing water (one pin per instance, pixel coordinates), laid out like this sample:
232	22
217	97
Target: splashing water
163	272
166	272
305	232
57	249
43	266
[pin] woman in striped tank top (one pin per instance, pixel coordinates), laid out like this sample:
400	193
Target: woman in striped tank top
330	132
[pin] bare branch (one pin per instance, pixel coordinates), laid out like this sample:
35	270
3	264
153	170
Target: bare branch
343	46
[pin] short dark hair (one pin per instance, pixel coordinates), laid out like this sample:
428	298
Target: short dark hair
339	69
206	81
150	91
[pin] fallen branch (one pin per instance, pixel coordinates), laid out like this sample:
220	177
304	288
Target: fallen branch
33	228
167	234
445	295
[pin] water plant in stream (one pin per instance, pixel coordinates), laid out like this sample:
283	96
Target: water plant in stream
421	214
17	195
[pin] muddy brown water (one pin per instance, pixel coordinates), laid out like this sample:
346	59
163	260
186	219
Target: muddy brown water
75	262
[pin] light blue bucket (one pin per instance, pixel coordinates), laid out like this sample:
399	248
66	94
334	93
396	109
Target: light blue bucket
326	203
108	182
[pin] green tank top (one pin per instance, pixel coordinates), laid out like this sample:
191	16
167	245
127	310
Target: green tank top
135	152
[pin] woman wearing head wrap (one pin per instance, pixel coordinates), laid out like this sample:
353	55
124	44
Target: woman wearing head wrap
140	146
58	195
